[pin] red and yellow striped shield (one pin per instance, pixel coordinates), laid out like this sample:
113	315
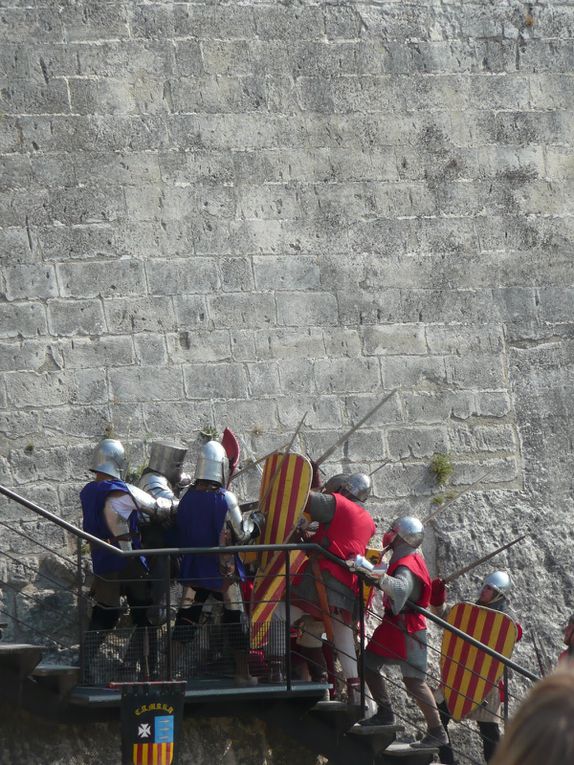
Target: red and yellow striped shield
469	674
153	754
284	490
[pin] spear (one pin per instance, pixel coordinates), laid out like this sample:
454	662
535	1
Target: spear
440	508
350	432
538	652
382	465
484	558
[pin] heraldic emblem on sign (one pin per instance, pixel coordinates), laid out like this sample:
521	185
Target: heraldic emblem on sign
157	738
469	674
283	495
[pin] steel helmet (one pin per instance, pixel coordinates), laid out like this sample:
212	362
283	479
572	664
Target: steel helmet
212	464
167	460
500	582
333	485
356	486
109	458
409	529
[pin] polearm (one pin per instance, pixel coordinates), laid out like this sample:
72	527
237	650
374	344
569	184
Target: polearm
257	462
440	508
382	465
345	436
538	653
484	558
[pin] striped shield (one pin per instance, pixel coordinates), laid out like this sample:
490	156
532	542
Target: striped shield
283	494
469	674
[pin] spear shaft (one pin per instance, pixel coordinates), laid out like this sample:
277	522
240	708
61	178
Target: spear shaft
350	432
484	558
440	508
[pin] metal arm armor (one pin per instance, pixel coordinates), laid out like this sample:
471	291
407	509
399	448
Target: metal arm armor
244	527
158	486
160	508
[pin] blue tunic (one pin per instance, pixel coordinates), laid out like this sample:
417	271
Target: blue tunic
200	520
93	498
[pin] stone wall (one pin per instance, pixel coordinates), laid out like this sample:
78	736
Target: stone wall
230	214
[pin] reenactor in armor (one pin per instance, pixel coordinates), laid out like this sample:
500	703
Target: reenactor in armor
208	515
112	511
163	477
324	592
401	638
493	594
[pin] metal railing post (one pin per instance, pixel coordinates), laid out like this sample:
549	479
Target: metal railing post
362	646
506	693
81	607
169	657
288	619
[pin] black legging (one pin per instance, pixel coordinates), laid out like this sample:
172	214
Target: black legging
489	734
190	616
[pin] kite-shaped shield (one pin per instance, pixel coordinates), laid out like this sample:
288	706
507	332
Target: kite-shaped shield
283	495
469	674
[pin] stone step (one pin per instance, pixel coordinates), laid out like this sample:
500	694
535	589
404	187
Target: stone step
20	657
59	678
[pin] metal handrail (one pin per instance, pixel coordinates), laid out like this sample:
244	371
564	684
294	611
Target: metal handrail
305	547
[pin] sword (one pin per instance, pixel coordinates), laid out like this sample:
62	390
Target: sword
440	508
350	432
484	558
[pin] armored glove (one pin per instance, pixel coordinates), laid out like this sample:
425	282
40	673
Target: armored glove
164	510
438	592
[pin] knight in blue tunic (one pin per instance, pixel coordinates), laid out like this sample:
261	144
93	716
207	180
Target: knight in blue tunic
208	515
112	511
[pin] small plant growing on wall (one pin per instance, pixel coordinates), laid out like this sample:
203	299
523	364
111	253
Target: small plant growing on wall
209	432
442	469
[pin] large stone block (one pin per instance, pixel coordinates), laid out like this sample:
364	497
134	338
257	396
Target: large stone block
394	339
76	317
416	442
177	277
210	345
347	375
296	309
263	378
215	381
30	282
103	278
22	320
255	310
97	352
146	384
33	389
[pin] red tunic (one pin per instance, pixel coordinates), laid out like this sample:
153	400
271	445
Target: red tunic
347	535
389	638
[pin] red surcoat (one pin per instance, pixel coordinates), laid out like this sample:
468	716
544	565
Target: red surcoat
389	638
